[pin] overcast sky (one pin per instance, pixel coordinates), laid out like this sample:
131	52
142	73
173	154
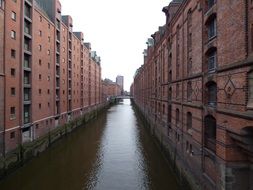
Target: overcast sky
118	31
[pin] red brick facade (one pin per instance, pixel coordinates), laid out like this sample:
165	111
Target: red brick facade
47	74
110	89
196	89
1	79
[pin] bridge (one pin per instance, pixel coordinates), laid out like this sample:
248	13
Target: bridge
123	97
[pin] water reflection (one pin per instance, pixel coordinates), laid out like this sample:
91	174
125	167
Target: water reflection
113	152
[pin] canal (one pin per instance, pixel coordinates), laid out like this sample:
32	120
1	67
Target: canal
113	152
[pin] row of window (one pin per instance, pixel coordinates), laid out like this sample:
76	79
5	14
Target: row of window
211	93
209	129
188	119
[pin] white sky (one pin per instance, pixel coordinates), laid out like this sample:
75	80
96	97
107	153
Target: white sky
118	31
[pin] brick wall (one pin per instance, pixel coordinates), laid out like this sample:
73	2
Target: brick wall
188	44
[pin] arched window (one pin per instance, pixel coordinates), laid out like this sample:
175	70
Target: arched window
177	117
170	76
212	27
250	89
177	51
210	133
189	17
170	94
189	90
189	120
169	114
177	91
212	94
189	66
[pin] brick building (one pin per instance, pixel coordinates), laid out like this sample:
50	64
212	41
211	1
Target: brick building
196	90
110	89
48	75
120	82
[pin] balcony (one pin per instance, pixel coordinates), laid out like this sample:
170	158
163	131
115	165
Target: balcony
27	62
58	36
58	59
27	28
27	95
58	24
27	44
57	48
26	114
28	10
27	82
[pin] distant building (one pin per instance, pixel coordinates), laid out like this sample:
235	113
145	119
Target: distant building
110	89
120	82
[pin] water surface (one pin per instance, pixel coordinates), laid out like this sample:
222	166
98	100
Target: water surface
113	152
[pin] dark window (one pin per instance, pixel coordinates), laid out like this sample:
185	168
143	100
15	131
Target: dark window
252	36
212	28
13	91
177	52
212	94
27	44
189	91
12	113
39	106
177	117
210	3
26	61
210	133
170	94
177	91
250	89
13	72
39	91
27	10
189	120
26	78
26	114
212	59
12	135
39	76
40	62
189	18
26	94
27	27
189	66
13	53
